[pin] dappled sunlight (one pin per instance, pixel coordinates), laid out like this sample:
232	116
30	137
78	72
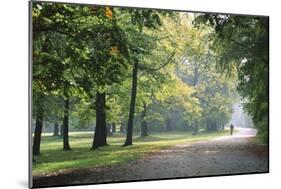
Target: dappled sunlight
112	85
210	152
54	159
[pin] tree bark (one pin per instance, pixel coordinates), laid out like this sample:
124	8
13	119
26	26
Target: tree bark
56	129
100	130
37	133
144	129
66	145
132	105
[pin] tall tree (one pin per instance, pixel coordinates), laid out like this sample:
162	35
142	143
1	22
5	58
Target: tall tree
132	105
138	48
65	124
101	130
56	129
97	42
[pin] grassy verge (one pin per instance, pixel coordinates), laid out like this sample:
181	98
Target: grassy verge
53	159
259	140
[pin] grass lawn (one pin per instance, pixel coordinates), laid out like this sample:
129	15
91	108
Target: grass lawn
53	159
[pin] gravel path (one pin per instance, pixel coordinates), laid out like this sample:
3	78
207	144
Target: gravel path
225	155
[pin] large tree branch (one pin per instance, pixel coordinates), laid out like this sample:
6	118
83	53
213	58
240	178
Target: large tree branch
143	67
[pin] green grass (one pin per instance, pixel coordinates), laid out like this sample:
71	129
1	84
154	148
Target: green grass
259	140
53	159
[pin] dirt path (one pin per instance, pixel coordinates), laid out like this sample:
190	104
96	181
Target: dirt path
225	155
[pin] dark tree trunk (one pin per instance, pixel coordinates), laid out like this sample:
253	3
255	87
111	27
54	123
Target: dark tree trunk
109	129
132	105
113	127
37	133
215	126
144	129
168	124
56	129
208	126
100	130
66	145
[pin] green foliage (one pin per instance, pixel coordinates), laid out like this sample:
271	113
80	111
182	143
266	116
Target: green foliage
242	44
187	74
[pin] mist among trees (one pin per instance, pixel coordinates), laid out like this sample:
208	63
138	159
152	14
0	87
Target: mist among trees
141	71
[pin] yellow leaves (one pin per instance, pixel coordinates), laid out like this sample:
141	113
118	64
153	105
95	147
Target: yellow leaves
41	85
108	13
113	50
35	14
163	93
179	94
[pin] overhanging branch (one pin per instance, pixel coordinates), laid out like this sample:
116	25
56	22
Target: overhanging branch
143	67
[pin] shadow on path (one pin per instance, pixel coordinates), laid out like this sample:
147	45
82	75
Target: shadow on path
235	154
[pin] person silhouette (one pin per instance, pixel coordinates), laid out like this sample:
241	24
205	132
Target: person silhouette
231	129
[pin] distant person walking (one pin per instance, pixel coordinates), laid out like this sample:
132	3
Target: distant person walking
231	129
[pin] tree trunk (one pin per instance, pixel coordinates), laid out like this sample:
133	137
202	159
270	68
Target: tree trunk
132	105
113	127
168	124
144	129
109	129
215	126
66	145
100	130
122	127
37	133
208	126
195	82
56	129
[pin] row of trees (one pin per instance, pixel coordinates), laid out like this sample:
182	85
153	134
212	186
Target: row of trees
243	44
81	52
115	66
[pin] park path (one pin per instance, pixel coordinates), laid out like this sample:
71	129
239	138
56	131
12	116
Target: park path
235	154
